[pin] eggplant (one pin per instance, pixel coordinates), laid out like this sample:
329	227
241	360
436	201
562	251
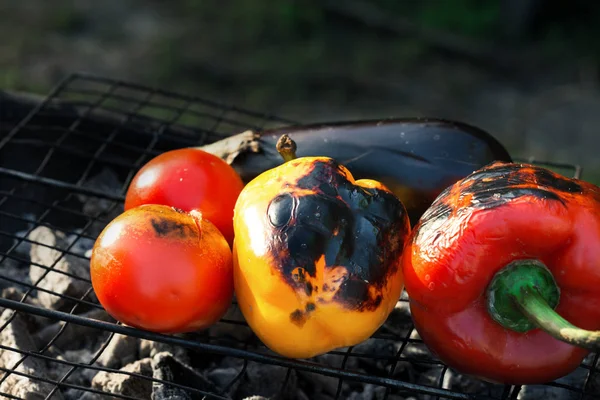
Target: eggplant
417	158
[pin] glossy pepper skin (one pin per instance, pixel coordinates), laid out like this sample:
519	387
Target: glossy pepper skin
316	256
416	158
499	216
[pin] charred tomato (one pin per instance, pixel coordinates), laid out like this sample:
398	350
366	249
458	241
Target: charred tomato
161	269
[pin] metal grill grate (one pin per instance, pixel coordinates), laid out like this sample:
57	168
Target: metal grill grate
89	124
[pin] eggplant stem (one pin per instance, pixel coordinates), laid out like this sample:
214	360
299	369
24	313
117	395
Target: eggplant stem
286	148
231	147
534	306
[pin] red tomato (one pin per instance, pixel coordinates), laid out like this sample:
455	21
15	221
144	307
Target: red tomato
189	179
161	269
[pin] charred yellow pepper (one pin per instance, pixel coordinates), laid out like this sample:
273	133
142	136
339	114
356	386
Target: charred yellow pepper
316	255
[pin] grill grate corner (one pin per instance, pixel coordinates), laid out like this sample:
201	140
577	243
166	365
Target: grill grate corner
64	169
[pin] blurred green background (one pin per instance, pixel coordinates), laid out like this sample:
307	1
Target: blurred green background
525	70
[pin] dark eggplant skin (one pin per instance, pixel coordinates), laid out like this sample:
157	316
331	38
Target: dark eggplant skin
417	158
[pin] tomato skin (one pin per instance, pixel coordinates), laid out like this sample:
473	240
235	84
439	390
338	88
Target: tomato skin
189	179
160	269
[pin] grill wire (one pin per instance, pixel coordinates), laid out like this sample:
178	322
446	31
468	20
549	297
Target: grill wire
150	121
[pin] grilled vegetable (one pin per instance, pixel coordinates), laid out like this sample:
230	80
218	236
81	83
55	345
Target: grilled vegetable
189	179
161	269
316	256
415	158
499	264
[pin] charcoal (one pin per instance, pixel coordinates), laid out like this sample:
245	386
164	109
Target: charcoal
167	368
327	385
430	378
301	395
417	351
370	392
103	209
149	348
34	321
79	244
378	353
226	375
320	396
449	379
76	394
223	372
593	384
237	331
226	362
79	376
23	247
17	335
223	377
336	359
128	385
469	384
121	350
266	380
74	336
399	322
16	271
55	281
547	392
105	181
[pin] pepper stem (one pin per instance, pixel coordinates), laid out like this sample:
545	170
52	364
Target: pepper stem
523	295
286	148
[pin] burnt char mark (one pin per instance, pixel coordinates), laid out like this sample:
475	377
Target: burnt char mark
505	175
297	317
167	227
352	292
327	176
498	184
308	288
496	180
360	229
498	197
555	181
492	171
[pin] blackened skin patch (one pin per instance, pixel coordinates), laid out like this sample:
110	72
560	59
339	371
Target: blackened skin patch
496	185
354	234
299	317
501	176
165	227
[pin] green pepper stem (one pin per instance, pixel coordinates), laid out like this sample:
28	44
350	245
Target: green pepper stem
286	148
523	295
536	308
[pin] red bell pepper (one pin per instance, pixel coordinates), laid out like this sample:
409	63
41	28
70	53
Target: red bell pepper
503	274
